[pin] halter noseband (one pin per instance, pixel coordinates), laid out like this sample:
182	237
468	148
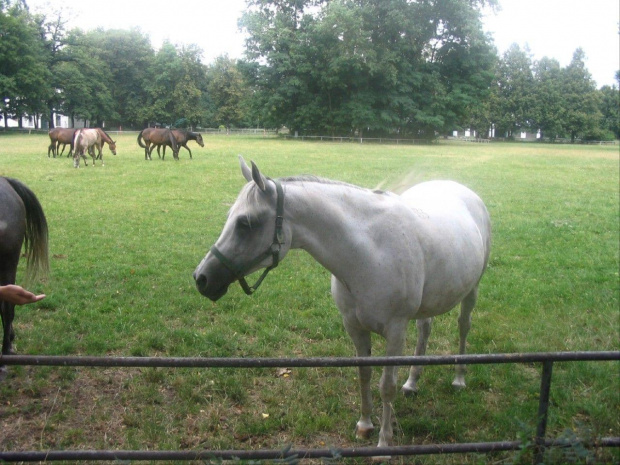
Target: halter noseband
273	251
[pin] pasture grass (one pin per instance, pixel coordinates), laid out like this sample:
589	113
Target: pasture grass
125	239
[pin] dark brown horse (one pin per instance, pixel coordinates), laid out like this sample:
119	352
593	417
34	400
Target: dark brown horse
22	221
156	137
183	137
59	136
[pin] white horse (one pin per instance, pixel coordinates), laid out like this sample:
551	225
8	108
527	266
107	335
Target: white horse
86	140
393	259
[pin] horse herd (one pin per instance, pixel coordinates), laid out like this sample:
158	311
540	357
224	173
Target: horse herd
90	140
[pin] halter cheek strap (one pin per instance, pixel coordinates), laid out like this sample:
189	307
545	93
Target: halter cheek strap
273	251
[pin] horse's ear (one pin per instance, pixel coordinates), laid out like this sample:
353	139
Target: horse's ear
245	169
258	177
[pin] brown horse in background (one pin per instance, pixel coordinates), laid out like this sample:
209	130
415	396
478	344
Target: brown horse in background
24	223
105	138
59	136
182	138
157	137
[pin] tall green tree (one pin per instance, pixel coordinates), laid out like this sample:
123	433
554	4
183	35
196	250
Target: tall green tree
549	104
513	102
610	109
86	89
362	66
54	36
189	89
23	63
127	56
227	91
164	72
582	114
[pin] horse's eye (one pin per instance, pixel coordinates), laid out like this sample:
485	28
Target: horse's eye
244	223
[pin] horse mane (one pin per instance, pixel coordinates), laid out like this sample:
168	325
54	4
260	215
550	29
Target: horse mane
108	135
320	180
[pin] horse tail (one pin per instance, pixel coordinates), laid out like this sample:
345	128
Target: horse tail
140	140
77	138
52	146
36	239
173	142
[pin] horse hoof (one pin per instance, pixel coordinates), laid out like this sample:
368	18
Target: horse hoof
381	459
409	391
458	384
363	431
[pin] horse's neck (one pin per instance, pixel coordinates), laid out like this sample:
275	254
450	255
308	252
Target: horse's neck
330	221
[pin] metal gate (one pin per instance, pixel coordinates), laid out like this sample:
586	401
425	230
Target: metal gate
547	360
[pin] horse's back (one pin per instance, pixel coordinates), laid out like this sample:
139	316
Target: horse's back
449	199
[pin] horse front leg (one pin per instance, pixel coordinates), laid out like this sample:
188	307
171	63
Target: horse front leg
7	312
395	338
361	340
424	331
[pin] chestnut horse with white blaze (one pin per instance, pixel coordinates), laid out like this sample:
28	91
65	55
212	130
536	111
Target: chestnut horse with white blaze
393	259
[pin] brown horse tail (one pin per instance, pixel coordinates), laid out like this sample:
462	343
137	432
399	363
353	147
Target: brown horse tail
140	141
36	240
173	142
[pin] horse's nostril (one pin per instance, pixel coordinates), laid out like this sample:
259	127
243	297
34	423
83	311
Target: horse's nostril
201	280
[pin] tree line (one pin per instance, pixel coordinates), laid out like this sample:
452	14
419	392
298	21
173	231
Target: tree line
414	69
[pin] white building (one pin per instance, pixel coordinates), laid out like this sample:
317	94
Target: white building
60	121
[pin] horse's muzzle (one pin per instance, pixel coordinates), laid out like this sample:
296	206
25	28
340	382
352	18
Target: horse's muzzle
203	287
213	284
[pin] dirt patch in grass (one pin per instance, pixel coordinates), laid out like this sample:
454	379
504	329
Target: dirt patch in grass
65	408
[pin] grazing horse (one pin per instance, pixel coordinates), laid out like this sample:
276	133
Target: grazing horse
156	137
22	221
182	138
86	140
105	139
393	258
59	136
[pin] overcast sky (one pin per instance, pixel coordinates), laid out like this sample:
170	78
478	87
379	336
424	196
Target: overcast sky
552	28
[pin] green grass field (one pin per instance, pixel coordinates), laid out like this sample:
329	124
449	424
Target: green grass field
125	239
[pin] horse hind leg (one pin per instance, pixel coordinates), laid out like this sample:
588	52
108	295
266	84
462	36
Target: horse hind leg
467	306
424	331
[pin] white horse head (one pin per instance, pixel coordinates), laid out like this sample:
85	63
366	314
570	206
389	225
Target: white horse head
253	237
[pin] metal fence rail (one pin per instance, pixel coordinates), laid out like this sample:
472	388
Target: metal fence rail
541	443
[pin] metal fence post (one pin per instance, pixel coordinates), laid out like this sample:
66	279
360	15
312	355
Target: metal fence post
543	407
